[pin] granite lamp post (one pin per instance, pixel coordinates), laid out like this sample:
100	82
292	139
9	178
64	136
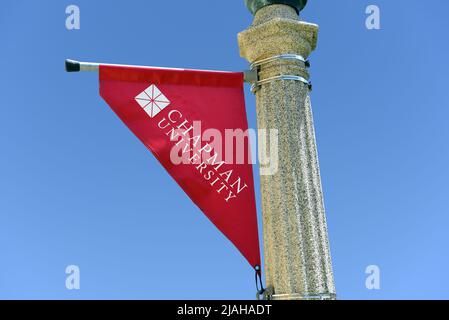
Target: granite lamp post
297	256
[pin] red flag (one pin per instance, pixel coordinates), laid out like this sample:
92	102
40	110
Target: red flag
171	111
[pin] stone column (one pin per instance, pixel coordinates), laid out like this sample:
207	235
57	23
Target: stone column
297	255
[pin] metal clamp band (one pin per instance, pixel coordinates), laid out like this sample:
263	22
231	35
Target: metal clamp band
283	77
280	57
255	67
255	86
298	296
269	294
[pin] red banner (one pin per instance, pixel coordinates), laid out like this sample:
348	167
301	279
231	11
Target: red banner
184	118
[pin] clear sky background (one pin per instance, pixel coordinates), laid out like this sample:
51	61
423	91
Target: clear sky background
76	187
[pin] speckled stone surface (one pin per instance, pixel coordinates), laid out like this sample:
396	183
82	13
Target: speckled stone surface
297	255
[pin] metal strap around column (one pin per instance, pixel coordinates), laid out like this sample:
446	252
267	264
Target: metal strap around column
297	296
255	66
280	57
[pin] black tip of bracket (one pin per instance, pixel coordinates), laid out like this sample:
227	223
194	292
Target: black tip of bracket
72	66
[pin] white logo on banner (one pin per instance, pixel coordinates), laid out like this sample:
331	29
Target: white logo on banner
152	101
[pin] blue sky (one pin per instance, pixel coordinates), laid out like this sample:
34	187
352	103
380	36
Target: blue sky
76	187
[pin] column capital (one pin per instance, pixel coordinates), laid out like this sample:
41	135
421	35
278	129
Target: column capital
277	30
255	5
